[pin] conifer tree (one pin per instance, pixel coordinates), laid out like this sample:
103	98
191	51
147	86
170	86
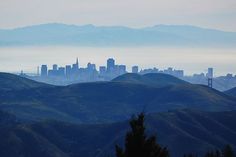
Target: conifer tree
227	151
138	145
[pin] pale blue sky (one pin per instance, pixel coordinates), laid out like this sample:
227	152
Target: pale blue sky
219	14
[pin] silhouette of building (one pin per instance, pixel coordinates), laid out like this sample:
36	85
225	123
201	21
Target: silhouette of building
54	67
102	70
110	65
135	69
61	72
75	68
68	71
44	71
121	69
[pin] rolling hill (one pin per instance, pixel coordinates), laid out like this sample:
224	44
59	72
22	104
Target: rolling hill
13	82
231	92
90	35
101	102
182	131
151	79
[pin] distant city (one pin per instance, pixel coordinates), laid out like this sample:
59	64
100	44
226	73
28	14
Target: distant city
74	74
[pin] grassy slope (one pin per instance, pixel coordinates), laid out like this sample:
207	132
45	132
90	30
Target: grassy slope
109	101
182	131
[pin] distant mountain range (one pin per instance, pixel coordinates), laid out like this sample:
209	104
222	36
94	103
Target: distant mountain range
182	131
102	102
90	35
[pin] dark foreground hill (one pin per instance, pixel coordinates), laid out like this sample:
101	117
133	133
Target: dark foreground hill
182	131
113	101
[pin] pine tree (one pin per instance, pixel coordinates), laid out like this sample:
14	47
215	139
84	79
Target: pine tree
138	145
227	151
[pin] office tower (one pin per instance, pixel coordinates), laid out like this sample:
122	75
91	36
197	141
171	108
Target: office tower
68	71
75	68
135	69
122	69
51	73
91	67
102	70
61	72
110	65
44	71
178	73
54	67
77	63
169	71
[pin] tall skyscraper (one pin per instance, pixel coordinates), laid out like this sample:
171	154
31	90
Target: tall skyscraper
54	67
68	71
91	67
77	63
75	67
122	69
110	65
102	70
44	71
135	69
61	71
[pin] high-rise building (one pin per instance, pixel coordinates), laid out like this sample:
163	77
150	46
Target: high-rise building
122	69
75	68
91	67
61	71
68	70
135	69
102	70
110	65
44	70
54	67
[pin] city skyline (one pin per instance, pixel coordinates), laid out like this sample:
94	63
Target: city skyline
75	73
128	69
111	66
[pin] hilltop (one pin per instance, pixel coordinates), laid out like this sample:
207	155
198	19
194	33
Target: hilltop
14	82
102	102
151	79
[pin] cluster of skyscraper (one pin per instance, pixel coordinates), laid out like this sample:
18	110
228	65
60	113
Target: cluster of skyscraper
90	73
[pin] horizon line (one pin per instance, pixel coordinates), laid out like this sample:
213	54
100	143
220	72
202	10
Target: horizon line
124	26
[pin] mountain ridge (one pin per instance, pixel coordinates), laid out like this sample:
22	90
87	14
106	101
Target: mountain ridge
90	35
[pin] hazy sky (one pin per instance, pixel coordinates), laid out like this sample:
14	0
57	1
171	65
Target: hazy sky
220	14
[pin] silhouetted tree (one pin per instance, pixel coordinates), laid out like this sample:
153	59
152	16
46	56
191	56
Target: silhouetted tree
190	155
227	151
138	145
215	153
